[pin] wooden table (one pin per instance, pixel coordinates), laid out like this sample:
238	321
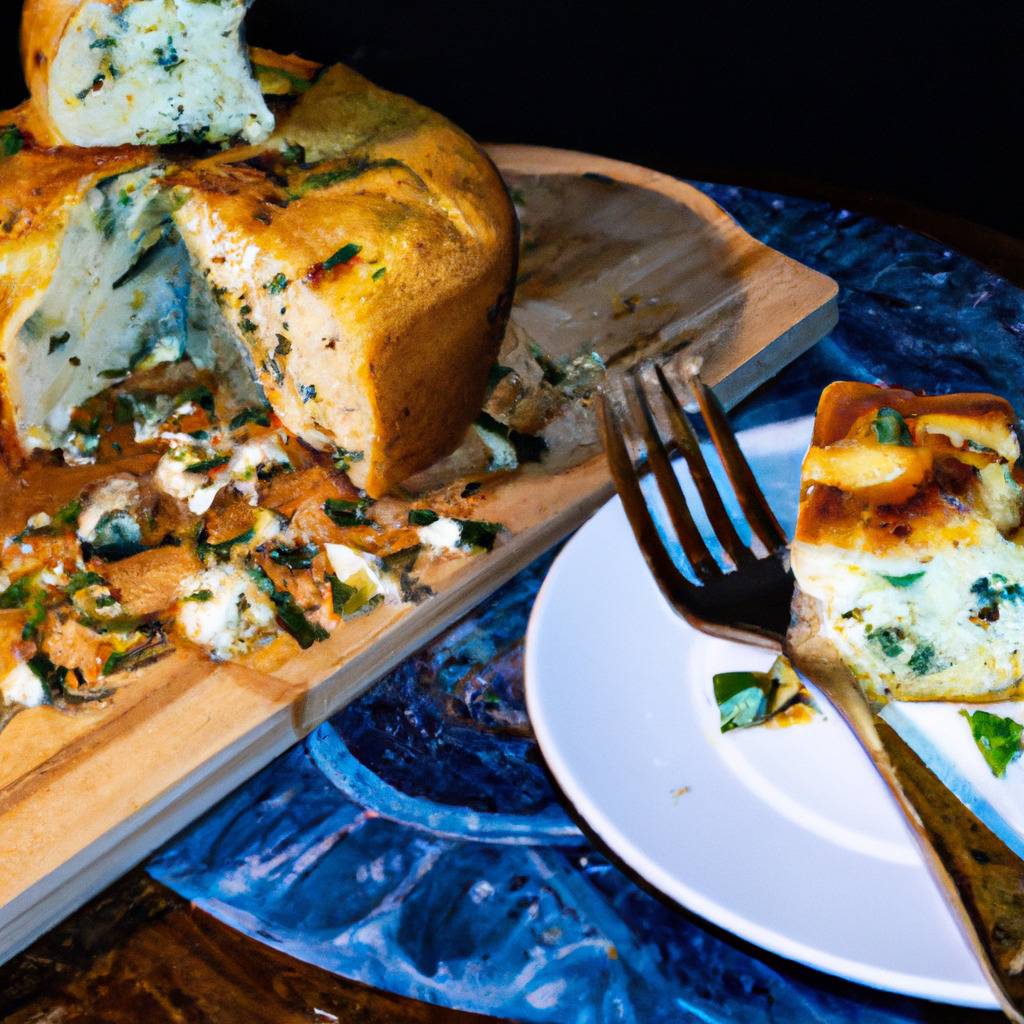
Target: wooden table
140	953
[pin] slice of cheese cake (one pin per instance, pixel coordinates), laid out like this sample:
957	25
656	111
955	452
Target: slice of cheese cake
906	553
359	267
141	72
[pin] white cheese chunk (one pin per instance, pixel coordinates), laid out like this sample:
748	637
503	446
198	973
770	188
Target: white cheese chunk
235	617
444	535
22	686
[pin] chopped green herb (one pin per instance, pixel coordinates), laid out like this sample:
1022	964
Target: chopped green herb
923	660
325	179
201	395
345	254
255	414
167	56
345	513
208	464
104	43
202	596
289	615
247	326
891	428
17	594
284	346
221	550
904	581
81	580
58	341
422	517
276	284
998	738
344	457
475	533
341	594
379	273
11	140
402	561
300	557
307	392
888	639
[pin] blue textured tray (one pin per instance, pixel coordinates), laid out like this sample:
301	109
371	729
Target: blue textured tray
415	842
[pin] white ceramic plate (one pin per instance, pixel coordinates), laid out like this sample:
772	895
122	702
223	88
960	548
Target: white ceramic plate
785	837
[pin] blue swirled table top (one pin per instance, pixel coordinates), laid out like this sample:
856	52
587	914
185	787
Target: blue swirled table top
415	842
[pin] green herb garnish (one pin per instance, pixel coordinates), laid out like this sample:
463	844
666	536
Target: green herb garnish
201	596
276	284
221	550
11	140
208	464
345	254
891	428
81	580
104	43
379	273
346	513
289	615
422	517
255	414
888	639
475	533
341	594
344	457
997	738
904	581
300	557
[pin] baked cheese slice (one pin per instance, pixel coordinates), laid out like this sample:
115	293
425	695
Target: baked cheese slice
141	72
907	553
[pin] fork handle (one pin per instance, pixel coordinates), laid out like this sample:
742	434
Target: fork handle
998	947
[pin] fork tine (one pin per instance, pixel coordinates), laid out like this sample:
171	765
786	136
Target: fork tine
697	553
678	590
752	500
686	441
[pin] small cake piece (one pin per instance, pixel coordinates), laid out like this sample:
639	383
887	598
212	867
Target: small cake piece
141	72
906	555
365	258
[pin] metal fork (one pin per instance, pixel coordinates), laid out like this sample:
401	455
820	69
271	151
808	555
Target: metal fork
750	603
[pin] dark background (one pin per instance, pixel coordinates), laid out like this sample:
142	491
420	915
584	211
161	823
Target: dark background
905	100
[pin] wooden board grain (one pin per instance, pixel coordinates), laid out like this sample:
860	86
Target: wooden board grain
617	260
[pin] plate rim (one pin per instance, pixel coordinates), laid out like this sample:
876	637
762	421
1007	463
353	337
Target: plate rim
936	990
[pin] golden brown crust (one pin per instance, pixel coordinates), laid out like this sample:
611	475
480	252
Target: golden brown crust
914	508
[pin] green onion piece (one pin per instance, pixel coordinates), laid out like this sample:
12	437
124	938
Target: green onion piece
341	594
345	254
300	557
348	513
289	615
998	738
422	517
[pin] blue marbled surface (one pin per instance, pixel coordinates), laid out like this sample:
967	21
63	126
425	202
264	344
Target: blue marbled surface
415	842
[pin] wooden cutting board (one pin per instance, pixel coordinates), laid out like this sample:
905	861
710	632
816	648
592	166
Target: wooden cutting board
617	260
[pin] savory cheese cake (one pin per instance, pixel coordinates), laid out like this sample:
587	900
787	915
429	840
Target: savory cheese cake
358	267
907	556
141	72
